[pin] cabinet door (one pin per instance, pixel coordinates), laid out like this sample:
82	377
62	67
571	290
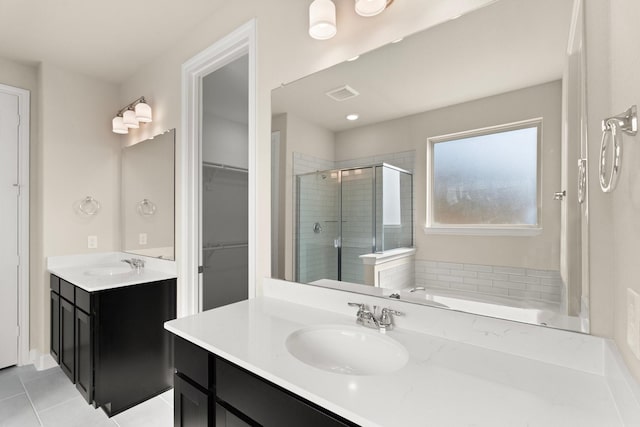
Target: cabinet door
193	407
55	326
225	418
84	355
67	338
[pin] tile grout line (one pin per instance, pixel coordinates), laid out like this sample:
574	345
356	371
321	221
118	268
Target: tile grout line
59	404
30	401
11	397
39	376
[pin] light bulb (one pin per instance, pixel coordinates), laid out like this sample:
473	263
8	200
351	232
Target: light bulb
129	119
143	112
118	126
322	19
370	7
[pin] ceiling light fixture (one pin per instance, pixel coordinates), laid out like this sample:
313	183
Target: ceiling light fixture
130	116
322	15
322	19
369	8
353	117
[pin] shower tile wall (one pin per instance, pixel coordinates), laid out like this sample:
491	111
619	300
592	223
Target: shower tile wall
317	255
357	222
404	160
517	283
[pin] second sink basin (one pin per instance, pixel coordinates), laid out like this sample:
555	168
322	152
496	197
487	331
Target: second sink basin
347	350
109	270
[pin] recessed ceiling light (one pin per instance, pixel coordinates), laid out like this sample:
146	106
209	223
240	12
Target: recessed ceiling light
398	40
353	59
352	117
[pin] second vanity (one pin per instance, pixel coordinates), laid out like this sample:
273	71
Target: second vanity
235	367
106	327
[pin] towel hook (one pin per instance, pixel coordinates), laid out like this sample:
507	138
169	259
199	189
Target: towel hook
626	122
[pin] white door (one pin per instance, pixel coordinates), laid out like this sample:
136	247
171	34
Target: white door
8	229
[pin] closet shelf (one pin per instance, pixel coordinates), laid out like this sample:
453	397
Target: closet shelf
223	246
222	166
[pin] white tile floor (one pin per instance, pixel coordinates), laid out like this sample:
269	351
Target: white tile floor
47	398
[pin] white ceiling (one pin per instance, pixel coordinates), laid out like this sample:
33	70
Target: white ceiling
106	39
506	46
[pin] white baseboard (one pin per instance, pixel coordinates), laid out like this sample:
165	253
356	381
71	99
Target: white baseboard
42	361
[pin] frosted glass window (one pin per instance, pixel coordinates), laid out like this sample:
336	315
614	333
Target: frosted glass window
487	179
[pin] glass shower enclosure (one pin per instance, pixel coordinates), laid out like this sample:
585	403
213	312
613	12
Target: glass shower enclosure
345	213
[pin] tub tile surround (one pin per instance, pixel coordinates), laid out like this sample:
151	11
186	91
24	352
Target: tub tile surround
73	268
501	373
517	283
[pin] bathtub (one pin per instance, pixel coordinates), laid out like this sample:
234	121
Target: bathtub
536	312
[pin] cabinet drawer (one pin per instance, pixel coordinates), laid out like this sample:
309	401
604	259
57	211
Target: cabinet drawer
266	403
54	283
193	362
83	300
67	291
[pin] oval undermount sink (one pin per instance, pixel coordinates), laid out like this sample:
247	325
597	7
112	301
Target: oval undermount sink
115	270
347	350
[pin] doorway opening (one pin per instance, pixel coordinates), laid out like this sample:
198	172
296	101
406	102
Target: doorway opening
217	264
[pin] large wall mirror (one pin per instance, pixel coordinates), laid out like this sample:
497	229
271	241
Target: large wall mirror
148	197
442	169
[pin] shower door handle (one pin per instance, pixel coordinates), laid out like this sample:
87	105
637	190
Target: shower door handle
560	195
200	269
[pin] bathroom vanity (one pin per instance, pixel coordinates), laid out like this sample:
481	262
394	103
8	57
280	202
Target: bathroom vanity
107	334
237	365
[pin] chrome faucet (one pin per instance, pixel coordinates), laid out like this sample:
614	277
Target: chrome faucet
382	322
135	263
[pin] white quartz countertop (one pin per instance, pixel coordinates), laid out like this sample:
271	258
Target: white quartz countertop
79	277
80	270
444	383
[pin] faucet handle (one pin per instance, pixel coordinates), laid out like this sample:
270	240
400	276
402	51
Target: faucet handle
361	307
391	311
385	318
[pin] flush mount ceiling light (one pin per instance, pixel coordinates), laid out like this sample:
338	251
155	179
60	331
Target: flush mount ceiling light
322	15
131	115
352	117
370	7
322	19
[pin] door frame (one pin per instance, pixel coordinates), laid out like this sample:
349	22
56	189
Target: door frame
236	44
23	219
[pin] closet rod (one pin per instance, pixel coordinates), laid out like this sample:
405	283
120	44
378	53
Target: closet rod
225	246
221	166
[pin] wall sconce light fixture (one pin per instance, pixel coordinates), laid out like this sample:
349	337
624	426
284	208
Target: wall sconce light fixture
322	15
130	116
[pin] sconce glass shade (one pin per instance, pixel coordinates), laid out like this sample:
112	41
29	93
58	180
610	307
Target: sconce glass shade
143	112
322	19
129	119
370	7
118	126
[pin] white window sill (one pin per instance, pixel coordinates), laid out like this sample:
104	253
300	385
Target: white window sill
485	231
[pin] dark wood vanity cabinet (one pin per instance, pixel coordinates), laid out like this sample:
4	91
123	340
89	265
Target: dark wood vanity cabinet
112	343
210	391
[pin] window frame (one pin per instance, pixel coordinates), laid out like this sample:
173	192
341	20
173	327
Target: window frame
484	229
